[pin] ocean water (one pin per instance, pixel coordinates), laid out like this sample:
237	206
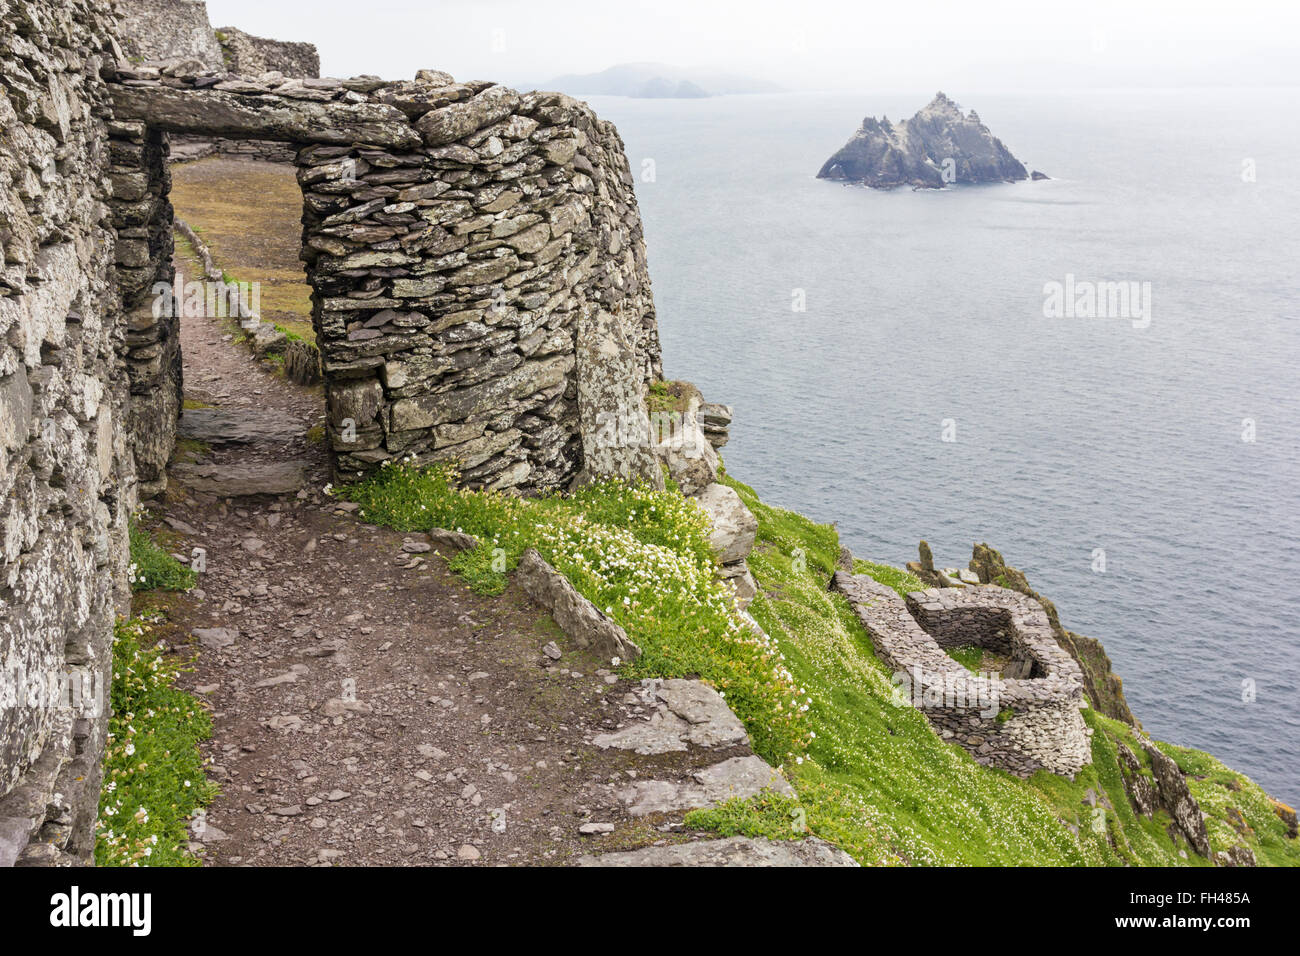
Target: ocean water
1072	434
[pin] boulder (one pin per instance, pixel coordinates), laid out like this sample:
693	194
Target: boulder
734	525
457	120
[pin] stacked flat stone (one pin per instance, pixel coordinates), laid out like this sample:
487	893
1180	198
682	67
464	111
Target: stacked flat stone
456	236
1020	724
66	488
142	216
716	419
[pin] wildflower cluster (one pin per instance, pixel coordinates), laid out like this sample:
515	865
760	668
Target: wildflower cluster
153	771
640	555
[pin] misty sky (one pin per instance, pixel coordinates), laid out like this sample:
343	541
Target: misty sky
814	44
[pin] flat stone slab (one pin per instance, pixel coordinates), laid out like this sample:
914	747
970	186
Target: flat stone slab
241	479
236	426
733	851
739	777
692	712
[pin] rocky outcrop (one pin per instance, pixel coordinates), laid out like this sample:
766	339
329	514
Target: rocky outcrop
67	483
938	146
692	719
1103	686
1177	799
733	532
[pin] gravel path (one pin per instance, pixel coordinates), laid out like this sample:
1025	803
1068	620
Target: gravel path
368	708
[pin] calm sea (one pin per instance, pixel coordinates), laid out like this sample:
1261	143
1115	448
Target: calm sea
1072	434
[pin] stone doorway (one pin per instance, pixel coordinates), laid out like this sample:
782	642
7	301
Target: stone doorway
455	238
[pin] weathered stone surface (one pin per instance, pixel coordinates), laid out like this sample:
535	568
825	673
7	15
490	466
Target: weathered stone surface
452	541
1018	724
733	851
241	479
1141	789
734	525
1103	686
221	113
692	713
679	441
249	55
581	620
736	778
235	426
614	425
1176	798
459	120
67	480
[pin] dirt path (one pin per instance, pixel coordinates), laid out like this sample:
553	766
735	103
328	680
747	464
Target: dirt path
368	708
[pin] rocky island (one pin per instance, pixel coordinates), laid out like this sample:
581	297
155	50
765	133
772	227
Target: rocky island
937	146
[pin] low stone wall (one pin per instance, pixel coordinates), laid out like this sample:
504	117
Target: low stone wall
250	55
1018	724
459	237
66	483
188	148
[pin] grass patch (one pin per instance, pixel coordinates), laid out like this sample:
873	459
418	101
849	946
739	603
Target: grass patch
901	581
152	568
969	656
769	814
871	775
670	396
153	771
640	555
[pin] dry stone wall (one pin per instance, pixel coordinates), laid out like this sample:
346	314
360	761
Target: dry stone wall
168	29
66	485
251	56
1019	723
457	237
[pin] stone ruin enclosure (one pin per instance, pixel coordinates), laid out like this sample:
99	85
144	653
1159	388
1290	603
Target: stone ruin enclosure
480	295
1024	719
